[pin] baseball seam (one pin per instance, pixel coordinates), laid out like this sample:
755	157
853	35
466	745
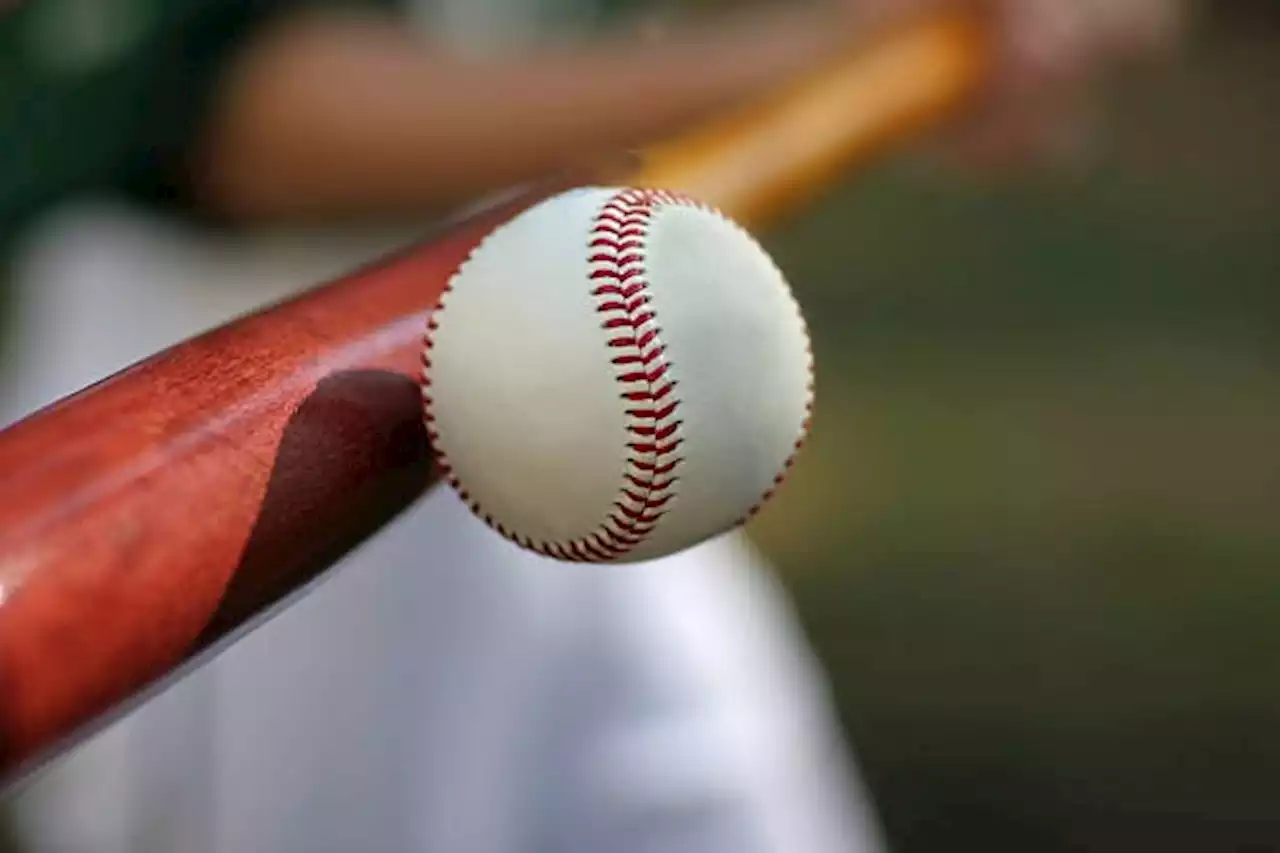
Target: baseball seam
620	287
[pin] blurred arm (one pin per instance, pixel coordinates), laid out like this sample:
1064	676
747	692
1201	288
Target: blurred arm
345	115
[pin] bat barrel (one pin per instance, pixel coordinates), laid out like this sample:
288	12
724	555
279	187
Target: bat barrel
148	515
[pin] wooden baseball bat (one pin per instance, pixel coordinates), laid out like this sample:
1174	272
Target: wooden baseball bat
154	516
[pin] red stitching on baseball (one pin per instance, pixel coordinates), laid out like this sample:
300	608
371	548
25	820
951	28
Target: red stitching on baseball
616	257
620	290
617	269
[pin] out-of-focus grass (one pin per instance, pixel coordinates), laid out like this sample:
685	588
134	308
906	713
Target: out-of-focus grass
1035	535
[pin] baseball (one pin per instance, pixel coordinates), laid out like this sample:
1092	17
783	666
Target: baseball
615	375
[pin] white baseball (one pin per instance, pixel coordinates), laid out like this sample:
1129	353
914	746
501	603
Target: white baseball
616	374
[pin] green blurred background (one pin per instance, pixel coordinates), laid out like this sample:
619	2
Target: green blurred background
1035	537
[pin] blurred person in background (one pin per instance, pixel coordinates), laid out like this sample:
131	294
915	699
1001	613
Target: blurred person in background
168	166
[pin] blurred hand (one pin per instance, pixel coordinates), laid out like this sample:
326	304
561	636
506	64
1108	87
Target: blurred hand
1051	57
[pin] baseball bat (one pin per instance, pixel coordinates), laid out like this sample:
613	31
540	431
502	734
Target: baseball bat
153	517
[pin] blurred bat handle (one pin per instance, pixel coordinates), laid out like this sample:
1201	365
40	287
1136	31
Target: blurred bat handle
764	161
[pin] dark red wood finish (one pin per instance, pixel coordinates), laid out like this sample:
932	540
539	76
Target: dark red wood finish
146	517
